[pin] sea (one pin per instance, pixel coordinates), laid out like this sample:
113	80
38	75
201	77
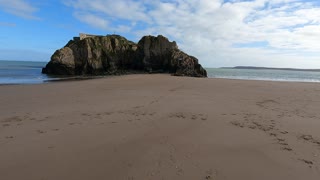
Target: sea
264	74
22	72
28	72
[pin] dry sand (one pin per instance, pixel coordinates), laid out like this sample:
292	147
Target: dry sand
160	127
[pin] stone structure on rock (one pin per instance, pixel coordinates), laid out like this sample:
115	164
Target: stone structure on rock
83	36
114	54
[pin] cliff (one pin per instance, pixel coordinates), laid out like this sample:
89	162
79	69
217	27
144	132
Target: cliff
113	54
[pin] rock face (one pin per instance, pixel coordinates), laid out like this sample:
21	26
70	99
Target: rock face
113	54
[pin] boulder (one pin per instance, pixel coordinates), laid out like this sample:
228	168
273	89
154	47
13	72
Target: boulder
114	54
93	56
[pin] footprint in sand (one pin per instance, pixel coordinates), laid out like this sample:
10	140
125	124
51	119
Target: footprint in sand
203	117
12	119
282	142
238	124
273	134
108	113
269	129
287	149
121	112
41	132
306	161
85	114
267	103
210	174
179	115
137	107
310	139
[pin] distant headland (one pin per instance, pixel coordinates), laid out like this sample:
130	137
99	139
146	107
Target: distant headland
113	54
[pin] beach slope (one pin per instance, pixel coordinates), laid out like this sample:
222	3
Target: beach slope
160	127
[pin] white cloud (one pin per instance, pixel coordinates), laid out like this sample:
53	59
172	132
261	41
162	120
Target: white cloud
210	29
123	9
7	24
21	8
92	20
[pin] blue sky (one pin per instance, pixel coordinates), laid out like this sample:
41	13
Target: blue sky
273	33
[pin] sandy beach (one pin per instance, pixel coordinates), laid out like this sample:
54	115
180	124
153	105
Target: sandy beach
160	127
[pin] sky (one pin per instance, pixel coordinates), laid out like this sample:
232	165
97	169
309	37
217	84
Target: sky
220	33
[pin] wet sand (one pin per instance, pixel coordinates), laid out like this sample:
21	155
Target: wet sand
160	127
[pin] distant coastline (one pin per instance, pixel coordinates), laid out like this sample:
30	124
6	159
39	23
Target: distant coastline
269	68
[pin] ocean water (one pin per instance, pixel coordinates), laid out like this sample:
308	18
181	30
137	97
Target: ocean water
264	74
22	72
27	72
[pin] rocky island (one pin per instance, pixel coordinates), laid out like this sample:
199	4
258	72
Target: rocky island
114	54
